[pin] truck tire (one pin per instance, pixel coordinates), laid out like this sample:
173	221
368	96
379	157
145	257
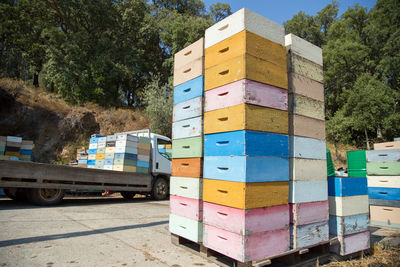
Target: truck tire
45	196
160	189
17	194
127	194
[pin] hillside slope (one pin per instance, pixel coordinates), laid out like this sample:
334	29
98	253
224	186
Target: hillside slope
57	128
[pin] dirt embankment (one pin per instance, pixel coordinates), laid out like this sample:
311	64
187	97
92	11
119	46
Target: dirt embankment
57	128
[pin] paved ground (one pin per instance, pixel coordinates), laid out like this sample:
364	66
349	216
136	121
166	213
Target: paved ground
90	232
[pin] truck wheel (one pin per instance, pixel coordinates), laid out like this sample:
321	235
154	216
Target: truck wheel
160	189
45	196
127	194
17	194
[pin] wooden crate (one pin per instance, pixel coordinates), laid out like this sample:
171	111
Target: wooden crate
306	127
187	228
186	207
300	191
187	128
303	48
347	206
189	54
305	67
188	109
189	90
309	212
307	169
187	147
186	187
305	106
307	148
187	167
308	234
347	225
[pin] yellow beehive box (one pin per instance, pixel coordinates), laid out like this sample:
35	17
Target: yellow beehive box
245	195
100	156
245	42
246	67
246	117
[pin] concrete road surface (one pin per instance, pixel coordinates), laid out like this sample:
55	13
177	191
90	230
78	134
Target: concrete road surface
90	232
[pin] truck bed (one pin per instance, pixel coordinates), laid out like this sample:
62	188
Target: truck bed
41	175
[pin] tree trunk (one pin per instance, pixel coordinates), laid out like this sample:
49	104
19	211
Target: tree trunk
366	136
36	80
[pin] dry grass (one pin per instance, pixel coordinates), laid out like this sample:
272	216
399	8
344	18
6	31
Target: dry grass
381	256
339	155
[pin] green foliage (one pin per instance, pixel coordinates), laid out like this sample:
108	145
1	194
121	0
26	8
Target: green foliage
361	59
158	100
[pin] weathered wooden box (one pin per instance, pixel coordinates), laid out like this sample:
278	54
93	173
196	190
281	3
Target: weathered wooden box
309	212
189	54
247	169
351	243
308	148
245	195
306	127
303	48
347	206
246	222
186	187
189	90
246	143
347	225
387	145
246	117
307	169
305	106
246	248
244	19
189	71
347	186
383	155
385	216
383	168
300	191
187	228
187	128
246	92
187	147
384	193
383	181
308	234
304	67
188	109
186	207
187	167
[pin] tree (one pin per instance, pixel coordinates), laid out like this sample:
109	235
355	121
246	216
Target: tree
219	11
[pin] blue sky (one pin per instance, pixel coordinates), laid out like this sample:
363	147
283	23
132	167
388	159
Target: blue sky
282	10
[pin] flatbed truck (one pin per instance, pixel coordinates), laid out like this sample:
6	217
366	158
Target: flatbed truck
45	184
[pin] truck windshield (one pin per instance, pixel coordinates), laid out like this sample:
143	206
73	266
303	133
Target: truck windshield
164	148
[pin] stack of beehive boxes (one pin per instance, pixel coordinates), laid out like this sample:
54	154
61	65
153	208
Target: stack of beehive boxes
187	144
100	152
81	157
246	162
383	172
109	152
91	163
126	153
308	171
14	148
143	156
348	214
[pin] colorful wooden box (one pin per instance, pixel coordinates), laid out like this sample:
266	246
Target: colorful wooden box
246	169
187	128
244	19
189	54
309	234
300	191
110	150
122	137
245	195
384	202
187	228
187	147
347	225
306	126
125	156
246	92
246	117
189	71
189	90
347	206
307	169
246	143
245	67
305	67
309	148
303	48
125	149
309	212
383	168
384	193
246	248
186	187
126	143
387	145
385	216
246	222
127	162
186	207
351	243
187	167
347	186
305	106
189	109
245	42
383	155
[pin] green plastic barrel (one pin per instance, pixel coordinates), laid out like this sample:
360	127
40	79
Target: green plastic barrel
329	164
357	163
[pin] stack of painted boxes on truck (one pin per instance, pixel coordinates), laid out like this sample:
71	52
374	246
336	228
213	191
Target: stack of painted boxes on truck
81	157
109	152
308	169
383	172
14	148
246	147
187	144
348	214
91	163
126	153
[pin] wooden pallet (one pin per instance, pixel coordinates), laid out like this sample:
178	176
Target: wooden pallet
309	256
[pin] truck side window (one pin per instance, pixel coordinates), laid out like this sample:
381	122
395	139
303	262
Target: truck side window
164	148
